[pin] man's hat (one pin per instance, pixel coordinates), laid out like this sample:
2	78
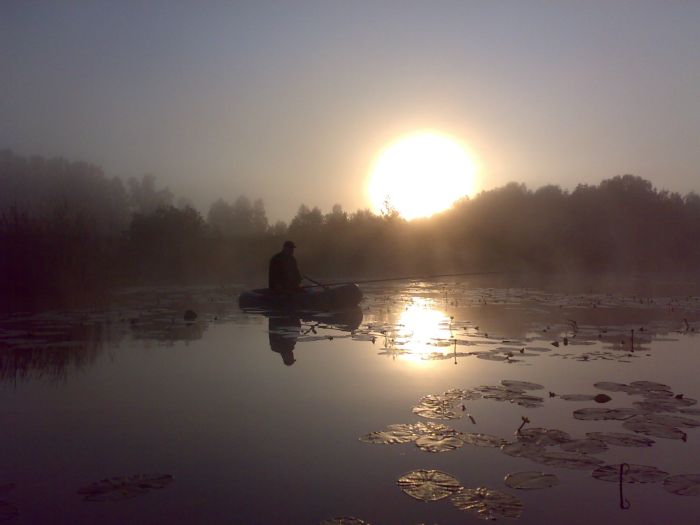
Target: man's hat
289	244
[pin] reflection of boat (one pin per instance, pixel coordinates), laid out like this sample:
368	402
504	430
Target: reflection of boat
285	328
330	297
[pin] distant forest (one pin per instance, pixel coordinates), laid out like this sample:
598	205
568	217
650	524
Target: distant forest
69	231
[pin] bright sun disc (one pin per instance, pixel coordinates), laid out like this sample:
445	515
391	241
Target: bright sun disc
421	174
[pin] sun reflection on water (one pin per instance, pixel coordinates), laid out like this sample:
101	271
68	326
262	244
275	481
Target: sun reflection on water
423	333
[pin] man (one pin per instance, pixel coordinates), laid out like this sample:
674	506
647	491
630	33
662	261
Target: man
284	275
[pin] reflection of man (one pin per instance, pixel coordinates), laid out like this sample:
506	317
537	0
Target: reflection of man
284	275
283	336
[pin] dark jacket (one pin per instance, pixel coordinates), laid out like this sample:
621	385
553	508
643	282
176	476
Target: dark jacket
284	273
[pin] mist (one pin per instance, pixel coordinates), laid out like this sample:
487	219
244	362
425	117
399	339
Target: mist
70	233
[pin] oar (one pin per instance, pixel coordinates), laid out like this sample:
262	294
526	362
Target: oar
315	282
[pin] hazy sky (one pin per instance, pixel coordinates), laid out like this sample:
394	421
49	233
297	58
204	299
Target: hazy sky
290	101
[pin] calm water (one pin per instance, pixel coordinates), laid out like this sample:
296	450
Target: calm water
257	418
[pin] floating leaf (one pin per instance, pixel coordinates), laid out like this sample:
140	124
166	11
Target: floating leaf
436	407
648	428
489	504
543	436
596	414
630	473
572	460
672	420
522	450
621	439
671	404
422	428
462	394
428	485
389	437
531	480
482	440
585	446
649	385
118	488
577	397
527	401
344	520
522	385
683	484
439	443
491	356
615	387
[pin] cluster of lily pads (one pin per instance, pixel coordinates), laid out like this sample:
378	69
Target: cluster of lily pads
109	489
550	447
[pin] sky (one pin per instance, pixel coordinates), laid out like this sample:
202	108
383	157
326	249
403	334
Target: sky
291	101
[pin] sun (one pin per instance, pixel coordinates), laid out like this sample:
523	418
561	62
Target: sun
421	174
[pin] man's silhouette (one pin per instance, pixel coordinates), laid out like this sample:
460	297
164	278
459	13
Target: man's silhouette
284	275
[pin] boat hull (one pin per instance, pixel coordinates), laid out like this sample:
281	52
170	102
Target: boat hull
332	297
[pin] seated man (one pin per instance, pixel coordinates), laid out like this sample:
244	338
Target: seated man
284	275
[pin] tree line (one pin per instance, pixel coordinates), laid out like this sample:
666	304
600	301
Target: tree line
69	231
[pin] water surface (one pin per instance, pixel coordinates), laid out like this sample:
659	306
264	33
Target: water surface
258	416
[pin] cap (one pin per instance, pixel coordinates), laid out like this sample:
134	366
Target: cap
289	244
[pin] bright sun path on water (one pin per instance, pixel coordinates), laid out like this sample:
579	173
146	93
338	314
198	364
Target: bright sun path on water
421	174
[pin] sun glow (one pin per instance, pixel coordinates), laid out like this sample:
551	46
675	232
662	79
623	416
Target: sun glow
424	333
421	174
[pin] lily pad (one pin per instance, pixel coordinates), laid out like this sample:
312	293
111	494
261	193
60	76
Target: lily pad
649	385
521	385
428	485
585	446
344	520
621	439
577	397
543	436
683	484
119	488
671	404
615	387
462	394
648	428
630	473
389	437
488	356
436	407
482	440
531	480
672	420
572	460
527	401
598	414
519	449
489	504
439	442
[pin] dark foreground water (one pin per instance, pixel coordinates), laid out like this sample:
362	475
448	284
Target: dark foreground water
240	417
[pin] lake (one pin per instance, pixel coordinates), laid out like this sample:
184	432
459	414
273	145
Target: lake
260	418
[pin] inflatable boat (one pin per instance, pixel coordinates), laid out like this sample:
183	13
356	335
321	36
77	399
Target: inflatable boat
331	297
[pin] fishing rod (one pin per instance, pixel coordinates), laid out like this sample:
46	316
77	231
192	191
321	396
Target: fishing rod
406	278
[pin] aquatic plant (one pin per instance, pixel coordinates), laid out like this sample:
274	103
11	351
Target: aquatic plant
119	488
489	504
428	485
